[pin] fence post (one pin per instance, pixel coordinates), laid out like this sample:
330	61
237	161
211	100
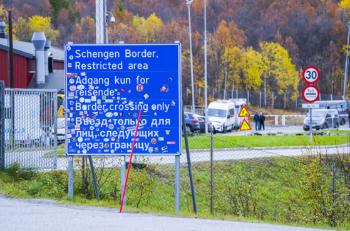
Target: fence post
55	129
283	120
276	120
260	99
248	98
2	125
211	172
334	192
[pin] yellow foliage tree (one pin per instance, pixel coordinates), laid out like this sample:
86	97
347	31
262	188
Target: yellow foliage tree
39	23
344	4
253	69
147	28
23	29
280	72
233	56
3	12
246	66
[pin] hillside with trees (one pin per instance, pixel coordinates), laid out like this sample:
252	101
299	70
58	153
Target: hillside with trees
256	46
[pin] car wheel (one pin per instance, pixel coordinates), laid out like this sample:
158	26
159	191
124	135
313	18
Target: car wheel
342	121
325	126
224	129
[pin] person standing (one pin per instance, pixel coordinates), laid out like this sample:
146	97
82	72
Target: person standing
257	121
262	121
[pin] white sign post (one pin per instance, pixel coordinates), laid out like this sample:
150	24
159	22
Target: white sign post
310	93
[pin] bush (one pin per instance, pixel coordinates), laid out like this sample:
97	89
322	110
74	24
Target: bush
16	173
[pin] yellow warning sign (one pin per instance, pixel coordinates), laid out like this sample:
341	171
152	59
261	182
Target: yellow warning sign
244	112
245	126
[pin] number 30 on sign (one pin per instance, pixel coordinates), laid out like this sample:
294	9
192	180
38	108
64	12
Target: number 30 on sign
311	74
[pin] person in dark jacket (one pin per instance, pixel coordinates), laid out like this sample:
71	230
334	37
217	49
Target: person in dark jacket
262	121
257	121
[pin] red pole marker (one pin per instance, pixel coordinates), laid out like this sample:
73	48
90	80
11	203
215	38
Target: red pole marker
130	162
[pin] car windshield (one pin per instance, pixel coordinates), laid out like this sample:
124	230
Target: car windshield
201	119
189	116
316	114
216	112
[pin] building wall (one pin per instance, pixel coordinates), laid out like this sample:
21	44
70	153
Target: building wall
21	73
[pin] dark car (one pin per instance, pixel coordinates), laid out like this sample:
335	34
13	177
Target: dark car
192	123
202	123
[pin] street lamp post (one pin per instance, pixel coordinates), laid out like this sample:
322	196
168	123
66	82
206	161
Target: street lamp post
346	63
205	67
109	19
189	2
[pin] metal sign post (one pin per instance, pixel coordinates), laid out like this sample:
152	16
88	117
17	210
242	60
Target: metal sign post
106	87
211	171
310	112
189	165
310	93
70	177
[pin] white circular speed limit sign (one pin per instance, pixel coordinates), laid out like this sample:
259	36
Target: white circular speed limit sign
311	94
311	74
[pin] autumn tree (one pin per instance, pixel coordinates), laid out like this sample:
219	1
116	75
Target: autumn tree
147	28
85	31
57	6
280	74
3	12
227	35
344	4
24	29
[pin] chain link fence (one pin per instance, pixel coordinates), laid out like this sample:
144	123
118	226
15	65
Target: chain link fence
30	128
270	99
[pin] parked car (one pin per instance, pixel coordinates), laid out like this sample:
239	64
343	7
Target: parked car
322	119
202	123
192	123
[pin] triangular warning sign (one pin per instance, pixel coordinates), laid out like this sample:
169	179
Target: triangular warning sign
245	126
244	112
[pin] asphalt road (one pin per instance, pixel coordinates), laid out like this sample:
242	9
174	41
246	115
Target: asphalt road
221	155
38	215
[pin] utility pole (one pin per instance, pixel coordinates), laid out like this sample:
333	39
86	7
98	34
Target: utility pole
205	68
346	63
189	2
100	21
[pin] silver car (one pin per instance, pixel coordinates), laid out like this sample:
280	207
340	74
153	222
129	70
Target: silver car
322	119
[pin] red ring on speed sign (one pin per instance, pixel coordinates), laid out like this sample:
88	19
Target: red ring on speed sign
310	94
311	74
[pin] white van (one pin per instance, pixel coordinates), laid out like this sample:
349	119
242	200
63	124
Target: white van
222	115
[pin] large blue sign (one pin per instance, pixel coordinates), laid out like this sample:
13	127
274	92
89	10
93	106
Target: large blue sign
108	85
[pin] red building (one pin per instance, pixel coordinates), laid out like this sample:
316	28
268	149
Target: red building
25	63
